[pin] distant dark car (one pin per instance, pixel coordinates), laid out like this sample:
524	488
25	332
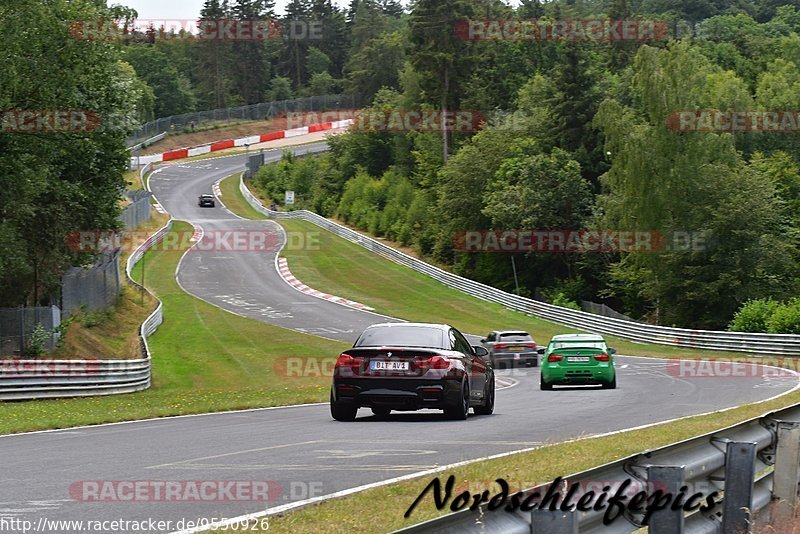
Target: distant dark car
206	200
411	366
511	347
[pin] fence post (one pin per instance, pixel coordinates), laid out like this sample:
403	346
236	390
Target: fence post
740	462
553	522
21	331
668	479
787	465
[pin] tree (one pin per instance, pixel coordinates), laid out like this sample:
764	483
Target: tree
317	61
573	108
439	54
52	184
280	89
321	83
213	60
688	184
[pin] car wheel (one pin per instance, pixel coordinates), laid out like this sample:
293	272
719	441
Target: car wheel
460	411
343	412
488	400
545	386
610	385
381	412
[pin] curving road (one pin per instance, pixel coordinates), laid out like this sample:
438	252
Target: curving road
300	448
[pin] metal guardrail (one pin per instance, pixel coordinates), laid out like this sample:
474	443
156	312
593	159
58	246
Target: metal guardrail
757	343
749	465
147	142
40	379
252	112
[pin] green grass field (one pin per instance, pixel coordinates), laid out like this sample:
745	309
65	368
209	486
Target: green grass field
345	269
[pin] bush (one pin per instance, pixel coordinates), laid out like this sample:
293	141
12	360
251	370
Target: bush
785	319
37	342
560	299
754	315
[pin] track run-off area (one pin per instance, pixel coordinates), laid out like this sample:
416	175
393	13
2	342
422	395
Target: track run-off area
301	450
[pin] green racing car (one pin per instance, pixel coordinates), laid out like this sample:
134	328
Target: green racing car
577	359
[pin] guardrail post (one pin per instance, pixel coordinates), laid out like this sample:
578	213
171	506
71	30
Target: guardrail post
740	463
553	522
787	468
668	479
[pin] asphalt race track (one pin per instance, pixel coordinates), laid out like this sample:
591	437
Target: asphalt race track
302	449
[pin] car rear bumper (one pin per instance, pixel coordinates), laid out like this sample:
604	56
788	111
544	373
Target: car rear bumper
397	394
578	374
526	357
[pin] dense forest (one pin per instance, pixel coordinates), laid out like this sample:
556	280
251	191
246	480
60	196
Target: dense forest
579	136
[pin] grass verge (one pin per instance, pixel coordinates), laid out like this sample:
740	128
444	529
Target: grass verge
347	270
204	360
114	333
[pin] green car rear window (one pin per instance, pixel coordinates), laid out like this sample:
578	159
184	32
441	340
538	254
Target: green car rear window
577	345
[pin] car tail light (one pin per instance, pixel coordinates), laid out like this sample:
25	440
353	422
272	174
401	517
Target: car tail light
530	345
434	362
347	364
555	358
500	346
601	357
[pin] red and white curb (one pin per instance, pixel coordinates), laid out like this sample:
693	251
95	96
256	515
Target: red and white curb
198	234
288	277
182	153
215	188
159	208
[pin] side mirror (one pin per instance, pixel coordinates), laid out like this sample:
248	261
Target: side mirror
480	351
541	350
483	340
612	351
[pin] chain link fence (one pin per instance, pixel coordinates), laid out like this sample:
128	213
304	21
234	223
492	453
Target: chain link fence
18	324
605	311
96	287
266	110
137	213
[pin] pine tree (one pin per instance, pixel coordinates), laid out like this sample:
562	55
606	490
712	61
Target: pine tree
212	74
438	54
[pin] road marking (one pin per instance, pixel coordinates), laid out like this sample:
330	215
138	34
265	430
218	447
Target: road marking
352	454
234	453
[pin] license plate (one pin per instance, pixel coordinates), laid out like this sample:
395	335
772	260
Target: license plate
516	348
388	366
578	359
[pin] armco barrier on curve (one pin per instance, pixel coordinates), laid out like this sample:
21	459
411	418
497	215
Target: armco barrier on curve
750	465
755	343
39	379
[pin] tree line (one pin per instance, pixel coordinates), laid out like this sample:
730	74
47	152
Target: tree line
581	136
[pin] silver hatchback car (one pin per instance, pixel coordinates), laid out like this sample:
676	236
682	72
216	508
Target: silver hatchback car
511	347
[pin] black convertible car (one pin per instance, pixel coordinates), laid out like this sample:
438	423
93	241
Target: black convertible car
411	366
